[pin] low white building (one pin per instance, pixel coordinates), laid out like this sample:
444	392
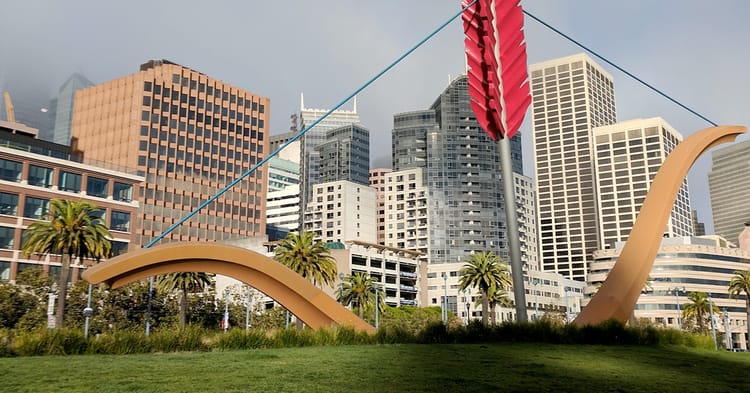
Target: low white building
340	211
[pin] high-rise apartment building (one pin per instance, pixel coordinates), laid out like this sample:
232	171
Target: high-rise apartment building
628	155
527	228
406	203
189	135
377	181
345	155
729	186
570	96
461	163
341	211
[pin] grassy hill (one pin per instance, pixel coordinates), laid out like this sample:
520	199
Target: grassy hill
411	368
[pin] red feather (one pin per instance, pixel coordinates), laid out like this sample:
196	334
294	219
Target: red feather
498	76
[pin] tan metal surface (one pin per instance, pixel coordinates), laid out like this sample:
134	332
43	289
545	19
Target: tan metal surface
617	296
298	295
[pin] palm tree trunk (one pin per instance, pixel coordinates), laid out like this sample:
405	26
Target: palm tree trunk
485	307
361	309
62	289
747	321
493	318
183	306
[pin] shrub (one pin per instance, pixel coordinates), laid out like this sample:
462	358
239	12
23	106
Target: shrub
240	339
50	342
120	343
188	338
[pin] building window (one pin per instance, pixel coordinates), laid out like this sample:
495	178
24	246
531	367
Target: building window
10	170
6	237
119	247
122	192
69	182
40	176
8	204
120	221
4	271
96	187
35	207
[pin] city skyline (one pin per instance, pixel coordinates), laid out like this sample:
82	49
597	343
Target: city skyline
662	51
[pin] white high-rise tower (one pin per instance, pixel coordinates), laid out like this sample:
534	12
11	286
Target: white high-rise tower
570	96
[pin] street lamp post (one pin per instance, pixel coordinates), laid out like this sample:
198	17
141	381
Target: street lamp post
677	291
247	309
567	307
445	299
713	328
226	309
377	303
536	300
87	313
727	331
341	288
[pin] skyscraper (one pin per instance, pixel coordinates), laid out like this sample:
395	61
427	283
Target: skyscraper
628	155
310	161
189	135
63	110
345	155
729	186
570	96
466	211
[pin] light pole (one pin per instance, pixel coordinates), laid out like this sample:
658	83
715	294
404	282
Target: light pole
677	291
341	288
536	299
727	331
247	309
567	307
377	303
148	307
226	309
713	328
445	299
87	313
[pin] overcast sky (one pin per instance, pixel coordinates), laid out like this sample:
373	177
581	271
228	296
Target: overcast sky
696	51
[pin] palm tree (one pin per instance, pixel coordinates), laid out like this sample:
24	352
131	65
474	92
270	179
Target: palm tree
494	298
699	310
739	283
360	288
310	259
487	272
185	282
74	230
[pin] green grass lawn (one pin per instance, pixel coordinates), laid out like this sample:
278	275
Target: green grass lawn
389	368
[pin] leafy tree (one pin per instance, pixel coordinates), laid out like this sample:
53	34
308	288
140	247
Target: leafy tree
740	283
699	311
15	302
359	289
487	272
73	230
496	297
185	283
310	259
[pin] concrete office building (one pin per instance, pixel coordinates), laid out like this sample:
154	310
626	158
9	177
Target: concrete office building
628	155
342	211
399	272
377	181
189	135
729	185
32	172
684	265
570	96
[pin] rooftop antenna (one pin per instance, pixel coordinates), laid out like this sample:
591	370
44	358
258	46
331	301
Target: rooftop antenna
355	104
301	101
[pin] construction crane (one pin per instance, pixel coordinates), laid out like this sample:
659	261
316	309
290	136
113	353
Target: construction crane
11	116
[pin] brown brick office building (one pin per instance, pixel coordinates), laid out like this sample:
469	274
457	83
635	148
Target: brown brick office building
189	135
